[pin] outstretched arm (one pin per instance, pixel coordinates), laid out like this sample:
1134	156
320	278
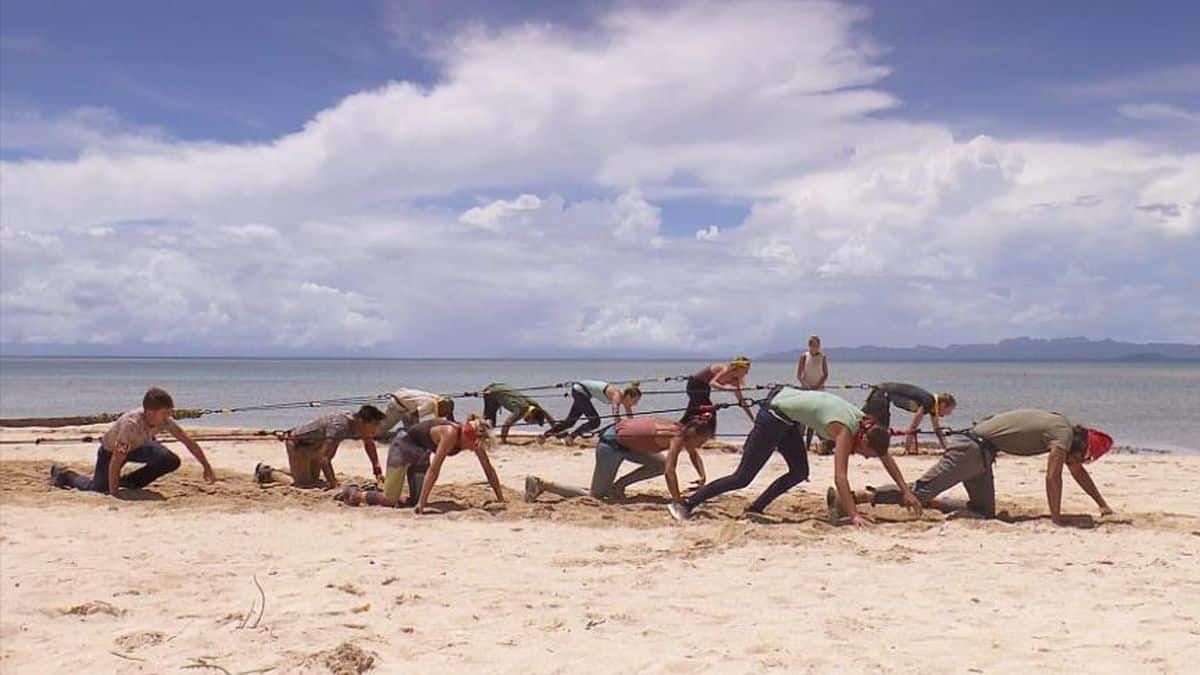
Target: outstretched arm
445	445
907	498
937	429
194	448
508	423
843	446
488	471
1080	473
373	456
1054	467
698	464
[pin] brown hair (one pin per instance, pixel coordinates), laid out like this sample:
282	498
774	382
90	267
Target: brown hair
444	408
944	399
369	414
633	390
156	399
878	439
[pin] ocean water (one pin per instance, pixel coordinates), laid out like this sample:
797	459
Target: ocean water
1151	406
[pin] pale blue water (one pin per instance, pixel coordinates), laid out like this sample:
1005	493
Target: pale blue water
1142	405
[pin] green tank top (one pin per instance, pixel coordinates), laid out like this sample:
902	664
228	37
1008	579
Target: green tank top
816	409
595	389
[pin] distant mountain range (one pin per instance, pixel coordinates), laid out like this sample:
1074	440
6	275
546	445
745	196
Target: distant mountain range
1016	349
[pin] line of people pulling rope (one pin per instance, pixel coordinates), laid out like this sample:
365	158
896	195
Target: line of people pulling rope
785	416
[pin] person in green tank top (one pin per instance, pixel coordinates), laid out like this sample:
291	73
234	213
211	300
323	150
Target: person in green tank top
779	426
582	394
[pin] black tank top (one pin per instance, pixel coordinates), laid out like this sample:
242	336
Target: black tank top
910	397
419	433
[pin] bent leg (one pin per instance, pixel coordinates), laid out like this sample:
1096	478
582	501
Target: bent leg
157	462
761	442
791	446
651	466
961	462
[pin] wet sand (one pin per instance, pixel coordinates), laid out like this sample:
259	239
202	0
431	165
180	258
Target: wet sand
168	578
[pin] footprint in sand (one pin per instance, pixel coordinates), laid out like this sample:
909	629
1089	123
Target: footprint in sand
138	639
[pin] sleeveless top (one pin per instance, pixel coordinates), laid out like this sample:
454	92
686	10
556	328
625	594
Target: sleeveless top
595	389
705	374
909	397
416	444
813	367
640	434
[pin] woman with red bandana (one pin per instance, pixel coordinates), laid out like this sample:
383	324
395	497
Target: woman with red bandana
1016	432
416	456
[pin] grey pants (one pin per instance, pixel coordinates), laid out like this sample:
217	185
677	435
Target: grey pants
609	455
963	462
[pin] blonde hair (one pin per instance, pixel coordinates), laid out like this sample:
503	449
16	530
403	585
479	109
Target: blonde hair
483	430
740	362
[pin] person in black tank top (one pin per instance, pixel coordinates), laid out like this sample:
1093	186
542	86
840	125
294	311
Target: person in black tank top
911	398
416	457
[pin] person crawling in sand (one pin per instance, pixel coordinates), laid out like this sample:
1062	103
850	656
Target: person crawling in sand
582	393
408	406
1026	432
311	447
132	438
521	408
415	458
653	442
724	376
779	426
915	400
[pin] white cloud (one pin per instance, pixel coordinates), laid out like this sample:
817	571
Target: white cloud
488	217
335	237
1158	111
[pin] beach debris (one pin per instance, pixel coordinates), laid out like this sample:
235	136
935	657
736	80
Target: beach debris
261	606
93	607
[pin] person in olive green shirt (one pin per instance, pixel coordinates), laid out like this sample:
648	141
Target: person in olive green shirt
1016	432
522	408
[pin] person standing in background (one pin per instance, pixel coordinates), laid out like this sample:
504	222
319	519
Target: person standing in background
812	371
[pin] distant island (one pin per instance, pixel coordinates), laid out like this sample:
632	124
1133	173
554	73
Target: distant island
1015	349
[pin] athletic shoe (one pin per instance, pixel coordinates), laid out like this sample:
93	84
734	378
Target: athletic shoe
262	473
346	493
832	508
679	512
760	518
533	488
58	475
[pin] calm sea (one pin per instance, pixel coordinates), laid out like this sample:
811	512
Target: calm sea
1153	406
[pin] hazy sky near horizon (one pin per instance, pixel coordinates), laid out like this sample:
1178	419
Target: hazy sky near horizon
506	178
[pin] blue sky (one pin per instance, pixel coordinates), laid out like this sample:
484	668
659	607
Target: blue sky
897	125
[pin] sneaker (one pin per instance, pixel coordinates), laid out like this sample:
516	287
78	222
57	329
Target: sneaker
58	475
832	508
262	473
760	518
533	488
679	512
346	494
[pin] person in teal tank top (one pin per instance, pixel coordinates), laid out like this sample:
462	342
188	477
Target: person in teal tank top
582	394
779	426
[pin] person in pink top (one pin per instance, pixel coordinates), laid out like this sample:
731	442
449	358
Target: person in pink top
653	442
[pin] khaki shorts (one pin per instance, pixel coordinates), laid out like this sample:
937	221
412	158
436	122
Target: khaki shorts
305	462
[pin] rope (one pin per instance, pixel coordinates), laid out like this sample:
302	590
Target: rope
641	413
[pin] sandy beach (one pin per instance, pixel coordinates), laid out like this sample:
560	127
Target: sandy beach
168	578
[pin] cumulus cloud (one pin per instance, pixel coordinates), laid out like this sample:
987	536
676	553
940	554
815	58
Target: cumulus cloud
341	236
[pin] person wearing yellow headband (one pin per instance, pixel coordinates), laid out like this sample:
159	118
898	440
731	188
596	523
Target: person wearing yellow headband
913	399
409	406
724	376
522	408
